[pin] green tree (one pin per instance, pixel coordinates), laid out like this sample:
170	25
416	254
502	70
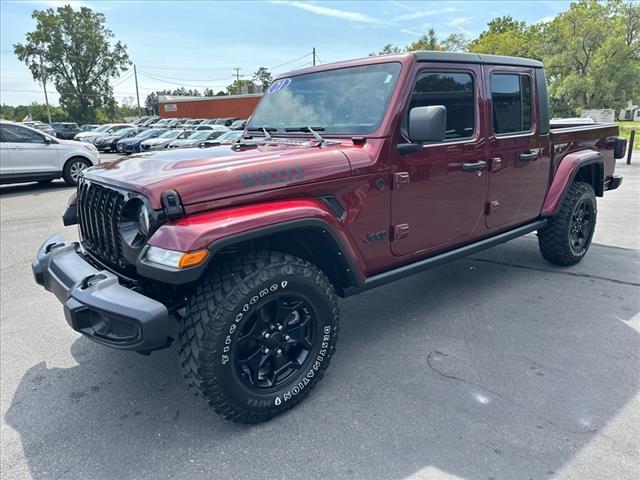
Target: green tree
239	87
592	55
426	41
506	36
455	42
74	49
263	78
151	102
389	48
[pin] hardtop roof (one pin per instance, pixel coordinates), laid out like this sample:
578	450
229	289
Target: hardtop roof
455	57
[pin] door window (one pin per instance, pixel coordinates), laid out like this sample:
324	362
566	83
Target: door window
511	97
453	90
16	134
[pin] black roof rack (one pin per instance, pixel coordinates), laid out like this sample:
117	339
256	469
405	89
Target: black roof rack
454	57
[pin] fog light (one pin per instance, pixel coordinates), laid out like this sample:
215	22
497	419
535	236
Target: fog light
171	258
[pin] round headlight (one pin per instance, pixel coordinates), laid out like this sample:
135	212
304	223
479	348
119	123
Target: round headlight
144	223
135	223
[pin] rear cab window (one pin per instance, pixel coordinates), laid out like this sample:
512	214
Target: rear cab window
512	103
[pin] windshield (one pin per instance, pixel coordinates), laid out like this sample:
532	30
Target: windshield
345	101
229	136
171	134
185	134
102	128
200	135
149	134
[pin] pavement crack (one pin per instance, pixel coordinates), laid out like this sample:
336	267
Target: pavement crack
547	270
458	379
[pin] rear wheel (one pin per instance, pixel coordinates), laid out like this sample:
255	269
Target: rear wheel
567	236
73	169
258	335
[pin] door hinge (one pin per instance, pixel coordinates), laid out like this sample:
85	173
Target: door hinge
491	207
399	179
400	231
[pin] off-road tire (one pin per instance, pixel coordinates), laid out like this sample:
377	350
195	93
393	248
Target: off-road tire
554	238
227	297
68	173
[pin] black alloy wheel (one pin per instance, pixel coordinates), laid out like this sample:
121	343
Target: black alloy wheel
580	227
275	342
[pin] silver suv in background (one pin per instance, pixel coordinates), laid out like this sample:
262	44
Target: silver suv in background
29	155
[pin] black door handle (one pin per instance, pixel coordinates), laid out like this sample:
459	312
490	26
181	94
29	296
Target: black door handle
470	166
529	156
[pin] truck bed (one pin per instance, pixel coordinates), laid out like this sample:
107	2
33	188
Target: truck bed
568	138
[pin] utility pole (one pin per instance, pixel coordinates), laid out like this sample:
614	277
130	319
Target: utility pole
135	74
44	85
314	56
237	69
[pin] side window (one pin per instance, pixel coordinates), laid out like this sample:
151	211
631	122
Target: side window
16	134
511	97
453	90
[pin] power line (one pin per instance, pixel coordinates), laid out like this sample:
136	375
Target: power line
290	61
184	79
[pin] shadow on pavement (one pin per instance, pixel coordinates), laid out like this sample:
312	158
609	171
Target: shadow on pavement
475	369
34	188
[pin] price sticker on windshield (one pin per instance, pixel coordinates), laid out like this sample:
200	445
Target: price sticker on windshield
279	85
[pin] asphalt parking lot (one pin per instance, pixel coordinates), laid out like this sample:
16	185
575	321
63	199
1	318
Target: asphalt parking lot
498	366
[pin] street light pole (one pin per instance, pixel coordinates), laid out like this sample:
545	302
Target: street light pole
44	85
135	74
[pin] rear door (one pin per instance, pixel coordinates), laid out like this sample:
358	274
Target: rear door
439	192
519	172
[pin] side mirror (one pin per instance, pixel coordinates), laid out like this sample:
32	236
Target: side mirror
427	124
47	140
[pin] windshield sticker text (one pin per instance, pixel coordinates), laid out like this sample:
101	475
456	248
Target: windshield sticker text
279	85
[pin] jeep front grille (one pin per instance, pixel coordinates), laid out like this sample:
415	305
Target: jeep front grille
99	211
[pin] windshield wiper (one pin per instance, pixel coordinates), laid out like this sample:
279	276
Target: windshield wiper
313	131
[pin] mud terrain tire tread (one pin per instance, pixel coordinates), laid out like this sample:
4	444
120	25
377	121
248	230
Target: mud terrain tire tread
553	239
217	297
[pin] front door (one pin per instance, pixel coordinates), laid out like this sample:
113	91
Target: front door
439	192
30	154
519	171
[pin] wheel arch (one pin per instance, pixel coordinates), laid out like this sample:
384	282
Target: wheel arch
308	229
311	239
583	166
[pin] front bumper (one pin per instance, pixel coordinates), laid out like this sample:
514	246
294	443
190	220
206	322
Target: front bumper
94	302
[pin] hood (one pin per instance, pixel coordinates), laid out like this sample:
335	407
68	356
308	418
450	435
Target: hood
206	174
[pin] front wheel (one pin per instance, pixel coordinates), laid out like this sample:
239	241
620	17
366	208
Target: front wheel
73	169
258	335
567	236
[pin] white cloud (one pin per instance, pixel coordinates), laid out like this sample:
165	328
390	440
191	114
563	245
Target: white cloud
459	23
349	16
422	14
410	32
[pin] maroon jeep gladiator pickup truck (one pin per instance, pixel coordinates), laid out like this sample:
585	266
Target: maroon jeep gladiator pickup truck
348	176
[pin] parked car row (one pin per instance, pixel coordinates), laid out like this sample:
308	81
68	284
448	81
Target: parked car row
152	139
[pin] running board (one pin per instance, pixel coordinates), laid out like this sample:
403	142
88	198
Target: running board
446	257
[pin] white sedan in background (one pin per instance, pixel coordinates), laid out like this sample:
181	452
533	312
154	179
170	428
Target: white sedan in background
163	141
29	155
196	138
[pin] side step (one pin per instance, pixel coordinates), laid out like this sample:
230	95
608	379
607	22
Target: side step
446	257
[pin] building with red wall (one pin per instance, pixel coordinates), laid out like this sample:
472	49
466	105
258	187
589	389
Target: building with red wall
241	106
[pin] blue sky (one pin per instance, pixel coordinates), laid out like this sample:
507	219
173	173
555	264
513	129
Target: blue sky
198	44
